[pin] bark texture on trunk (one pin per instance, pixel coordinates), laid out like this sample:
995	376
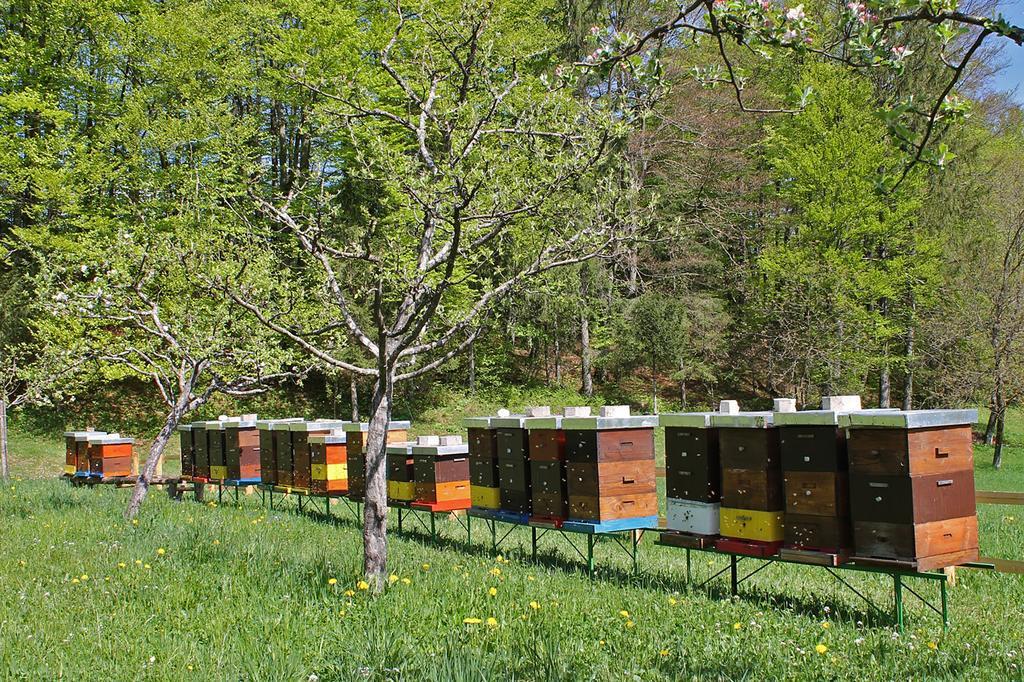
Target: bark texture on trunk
5	471
884	387
990	426
997	456
353	390
156	451
375	509
908	381
472	368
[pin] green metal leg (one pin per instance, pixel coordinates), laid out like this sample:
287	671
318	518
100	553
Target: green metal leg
327	505
733	577
897	580
533	545
236	495
687	565
469	529
399	519
945	606
220	493
494	535
591	571
433	528
636	543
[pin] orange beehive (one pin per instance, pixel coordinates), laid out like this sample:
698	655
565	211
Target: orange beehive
110	455
328	453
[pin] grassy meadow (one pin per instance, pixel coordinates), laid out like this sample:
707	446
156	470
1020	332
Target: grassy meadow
205	591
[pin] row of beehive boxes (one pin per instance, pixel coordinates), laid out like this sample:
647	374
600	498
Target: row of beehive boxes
883	484
578	466
319	456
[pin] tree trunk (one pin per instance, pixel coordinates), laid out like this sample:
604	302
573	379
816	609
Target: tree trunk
908	381
997	456
990	427
375	509
884	387
5	472
156	451
472	368
353	390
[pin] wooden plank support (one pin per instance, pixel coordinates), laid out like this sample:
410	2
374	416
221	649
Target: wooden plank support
998	497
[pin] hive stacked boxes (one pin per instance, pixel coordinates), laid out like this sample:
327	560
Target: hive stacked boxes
912	488
693	478
110	455
328	453
750	519
513	450
548	476
215	450
355	432
301	460
242	449
610	468
441	473
401	473
815	481
188	450
271	432
200	452
76	456
483	463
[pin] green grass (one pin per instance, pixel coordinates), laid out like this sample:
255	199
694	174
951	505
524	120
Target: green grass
243	593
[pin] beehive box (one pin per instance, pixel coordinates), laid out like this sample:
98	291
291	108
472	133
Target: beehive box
201	452
610	466
398	432
188	450
302	463
912	488
76	455
812	447
215	449
329	462
269	432
401	473
484	476
242	449
513	450
441	473
693	473
110	455
549	499
752	494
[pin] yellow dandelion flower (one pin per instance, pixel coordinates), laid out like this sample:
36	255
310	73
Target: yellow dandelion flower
672	601
737	626
499	558
84	577
146	566
471	621
821	648
122	565
342	613
161	551
495	571
534	605
21	563
493	591
135	522
601	643
492	622
663	652
530	578
406	581
138	562
392	579
826	625
630	623
349	593
933	646
425	567
332	581
74	581
363	585
216	542
107	578
624	613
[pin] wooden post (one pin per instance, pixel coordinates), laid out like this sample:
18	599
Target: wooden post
950	572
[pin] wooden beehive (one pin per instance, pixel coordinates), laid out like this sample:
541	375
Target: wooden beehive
242	449
815	466
76	455
110	455
610	467
441	473
401	473
513	449
329	462
912	488
269	431
215	450
201	452
549	499
752	494
485	491
188	450
301	456
398	432
693	473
